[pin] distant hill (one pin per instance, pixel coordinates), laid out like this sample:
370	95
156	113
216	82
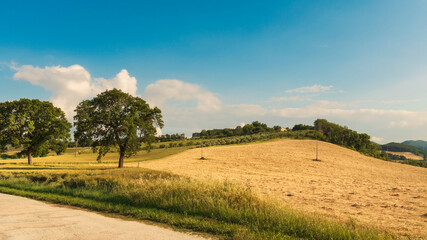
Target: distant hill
419	144
400	147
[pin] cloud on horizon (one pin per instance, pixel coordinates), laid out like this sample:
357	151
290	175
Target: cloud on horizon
70	85
401	101
311	89
291	99
379	140
161	91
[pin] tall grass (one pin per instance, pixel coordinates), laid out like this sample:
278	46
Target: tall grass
220	208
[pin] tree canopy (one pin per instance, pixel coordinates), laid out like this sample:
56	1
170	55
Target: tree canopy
32	125
343	136
299	127
116	119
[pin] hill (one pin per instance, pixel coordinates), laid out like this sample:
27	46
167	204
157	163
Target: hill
344	184
400	147
418	143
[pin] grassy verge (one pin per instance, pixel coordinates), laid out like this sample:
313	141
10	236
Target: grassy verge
222	209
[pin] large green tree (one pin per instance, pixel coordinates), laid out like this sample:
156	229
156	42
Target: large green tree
116	119
32	125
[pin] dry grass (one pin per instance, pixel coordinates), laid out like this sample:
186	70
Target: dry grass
344	184
408	155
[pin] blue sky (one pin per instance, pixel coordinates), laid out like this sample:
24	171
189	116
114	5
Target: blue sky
214	64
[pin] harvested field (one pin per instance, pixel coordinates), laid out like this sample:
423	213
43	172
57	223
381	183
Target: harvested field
408	155
344	184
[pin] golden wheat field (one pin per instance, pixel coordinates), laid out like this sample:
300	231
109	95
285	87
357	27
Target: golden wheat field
344	184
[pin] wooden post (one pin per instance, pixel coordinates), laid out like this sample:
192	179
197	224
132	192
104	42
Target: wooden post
201	157
317	150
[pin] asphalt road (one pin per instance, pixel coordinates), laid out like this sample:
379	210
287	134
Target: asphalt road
22	218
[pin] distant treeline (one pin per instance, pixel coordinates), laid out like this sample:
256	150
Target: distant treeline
248	129
198	142
171	137
395	157
418	163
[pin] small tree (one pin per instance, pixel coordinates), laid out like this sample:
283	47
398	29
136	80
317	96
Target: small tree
32	125
116	119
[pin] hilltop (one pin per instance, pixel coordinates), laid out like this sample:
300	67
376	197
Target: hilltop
417	143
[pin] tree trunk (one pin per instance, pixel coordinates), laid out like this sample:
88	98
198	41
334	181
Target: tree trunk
30	158
121	159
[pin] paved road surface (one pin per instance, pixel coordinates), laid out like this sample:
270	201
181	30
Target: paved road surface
27	219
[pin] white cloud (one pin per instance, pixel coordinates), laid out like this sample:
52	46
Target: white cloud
121	81
311	111
70	85
401	101
158	132
326	109
171	89
290	99
318	109
379	140
311	89
329	104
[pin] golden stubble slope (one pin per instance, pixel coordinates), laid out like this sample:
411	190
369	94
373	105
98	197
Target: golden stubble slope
343	184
